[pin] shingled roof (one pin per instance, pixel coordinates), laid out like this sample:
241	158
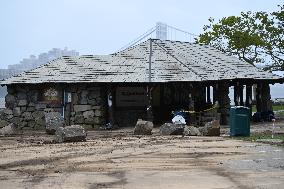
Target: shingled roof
170	61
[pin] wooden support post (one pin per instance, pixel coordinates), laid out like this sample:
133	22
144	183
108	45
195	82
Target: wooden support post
241	92
208	94
110	105
149	106
202	90
248	96
215	93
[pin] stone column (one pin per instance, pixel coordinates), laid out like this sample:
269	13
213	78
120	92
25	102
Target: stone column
265	97
224	102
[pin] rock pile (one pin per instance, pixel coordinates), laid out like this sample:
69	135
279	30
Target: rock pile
211	128
143	127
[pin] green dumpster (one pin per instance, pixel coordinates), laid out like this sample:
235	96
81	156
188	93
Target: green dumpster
239	121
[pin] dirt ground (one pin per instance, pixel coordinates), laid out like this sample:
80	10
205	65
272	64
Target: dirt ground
118	159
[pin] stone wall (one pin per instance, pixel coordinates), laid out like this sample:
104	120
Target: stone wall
22	107
88	106
25	108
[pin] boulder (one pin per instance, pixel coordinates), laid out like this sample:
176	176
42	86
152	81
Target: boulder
8	111
31	123
40	106
16	120
172	129
17	111
31	109
27	116
96	107
82	108
22	102
10	129
8	114
53	120
89	114
98	113
211	128
79	119
143	127
40	121
10	101
73	133
3	123
38	114
191	131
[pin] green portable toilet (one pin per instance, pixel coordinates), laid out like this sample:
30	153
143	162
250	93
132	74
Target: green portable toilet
239	121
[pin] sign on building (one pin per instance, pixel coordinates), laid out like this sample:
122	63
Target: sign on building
131	97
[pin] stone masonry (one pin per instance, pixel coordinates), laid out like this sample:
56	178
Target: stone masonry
88	106
25	108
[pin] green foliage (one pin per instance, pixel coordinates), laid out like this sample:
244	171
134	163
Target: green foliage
252	37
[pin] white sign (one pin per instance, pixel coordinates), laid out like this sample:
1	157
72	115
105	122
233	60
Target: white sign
131	97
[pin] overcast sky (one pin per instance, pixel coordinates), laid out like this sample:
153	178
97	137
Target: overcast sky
102	27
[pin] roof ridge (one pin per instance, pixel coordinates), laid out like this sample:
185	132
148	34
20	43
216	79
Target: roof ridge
176	58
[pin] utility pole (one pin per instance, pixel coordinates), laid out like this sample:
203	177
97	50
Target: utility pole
149	87
150	60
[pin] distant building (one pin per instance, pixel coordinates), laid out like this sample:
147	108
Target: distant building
33	62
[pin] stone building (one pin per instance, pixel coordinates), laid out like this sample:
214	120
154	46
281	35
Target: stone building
149	80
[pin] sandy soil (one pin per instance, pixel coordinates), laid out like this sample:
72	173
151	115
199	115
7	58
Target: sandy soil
117	159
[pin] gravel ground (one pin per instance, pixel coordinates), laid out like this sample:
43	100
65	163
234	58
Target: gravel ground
118	159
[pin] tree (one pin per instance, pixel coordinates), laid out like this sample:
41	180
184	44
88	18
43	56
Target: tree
275	41
252	37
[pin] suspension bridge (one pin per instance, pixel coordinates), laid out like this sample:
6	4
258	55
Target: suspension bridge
164	32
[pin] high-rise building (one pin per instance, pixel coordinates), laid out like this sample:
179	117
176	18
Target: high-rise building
33	61
161	31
